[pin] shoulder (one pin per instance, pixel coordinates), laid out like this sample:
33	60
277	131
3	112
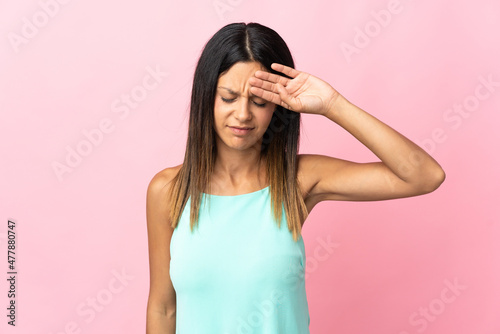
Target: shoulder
306	178
157	199
307	164
305	172
160	183
163	178
311	169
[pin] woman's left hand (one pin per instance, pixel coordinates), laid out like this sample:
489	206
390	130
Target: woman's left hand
304	93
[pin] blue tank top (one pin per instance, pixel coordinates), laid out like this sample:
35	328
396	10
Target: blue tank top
237	272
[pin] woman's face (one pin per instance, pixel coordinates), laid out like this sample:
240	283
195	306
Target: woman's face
235	107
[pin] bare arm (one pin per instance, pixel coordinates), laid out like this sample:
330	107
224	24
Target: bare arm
404	170
160	315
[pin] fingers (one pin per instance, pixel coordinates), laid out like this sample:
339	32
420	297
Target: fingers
278	98
271	87
266	95
285	98
263	84
274	78
291	72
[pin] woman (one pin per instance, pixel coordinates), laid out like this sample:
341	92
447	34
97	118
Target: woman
225	249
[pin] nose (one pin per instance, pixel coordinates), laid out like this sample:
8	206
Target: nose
242	112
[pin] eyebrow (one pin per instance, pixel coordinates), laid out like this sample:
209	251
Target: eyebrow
235	93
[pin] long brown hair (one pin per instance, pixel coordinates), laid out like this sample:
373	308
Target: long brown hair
239	42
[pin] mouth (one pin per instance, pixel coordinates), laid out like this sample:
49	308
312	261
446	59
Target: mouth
240	130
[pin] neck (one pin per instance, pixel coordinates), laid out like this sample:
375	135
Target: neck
240	169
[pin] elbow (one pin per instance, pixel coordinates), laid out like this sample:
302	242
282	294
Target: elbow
162	308
432	180
170	313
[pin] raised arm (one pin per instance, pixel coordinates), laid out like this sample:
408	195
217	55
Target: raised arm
404	170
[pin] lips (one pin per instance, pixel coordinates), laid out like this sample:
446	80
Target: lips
240	131
241	128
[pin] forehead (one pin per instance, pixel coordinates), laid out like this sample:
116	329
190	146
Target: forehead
240	72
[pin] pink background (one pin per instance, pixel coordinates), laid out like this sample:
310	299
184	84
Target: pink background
81	236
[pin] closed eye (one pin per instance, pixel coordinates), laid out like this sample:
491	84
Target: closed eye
261	105
228	100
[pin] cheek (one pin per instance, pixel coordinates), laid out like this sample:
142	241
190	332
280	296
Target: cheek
268	115
217	102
